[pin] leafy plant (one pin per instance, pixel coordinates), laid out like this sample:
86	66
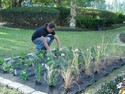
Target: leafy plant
51	77
1	60
38	73
24	74
67	51
19	63
38	66
52	73
12	71
6	66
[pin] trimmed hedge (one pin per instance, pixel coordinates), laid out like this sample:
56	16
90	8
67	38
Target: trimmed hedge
30	16
86	22
37	16
87	18
64	16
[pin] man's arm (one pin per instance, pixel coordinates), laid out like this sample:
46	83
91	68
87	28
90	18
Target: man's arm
45	43
57	40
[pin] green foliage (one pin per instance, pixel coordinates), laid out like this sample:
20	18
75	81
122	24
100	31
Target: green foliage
37	16
19	62
86	18
24	74
118	79
12	71
51	77
110	87
38	73
51	66
30	16
64	15
6	66
38	66
1	60
86	22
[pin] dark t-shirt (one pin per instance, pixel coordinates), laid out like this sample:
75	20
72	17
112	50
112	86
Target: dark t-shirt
42	31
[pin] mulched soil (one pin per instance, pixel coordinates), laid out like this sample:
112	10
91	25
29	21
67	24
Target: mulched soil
59	88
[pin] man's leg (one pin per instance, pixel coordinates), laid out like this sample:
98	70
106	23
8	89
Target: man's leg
49	39
39	44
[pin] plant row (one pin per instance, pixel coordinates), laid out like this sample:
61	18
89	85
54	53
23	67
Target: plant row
70	65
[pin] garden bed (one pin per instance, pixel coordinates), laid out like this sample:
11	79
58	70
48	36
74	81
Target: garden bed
71	72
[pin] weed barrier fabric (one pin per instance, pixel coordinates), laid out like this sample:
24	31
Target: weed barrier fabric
59	88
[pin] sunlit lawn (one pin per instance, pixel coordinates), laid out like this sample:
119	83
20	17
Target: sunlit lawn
15	41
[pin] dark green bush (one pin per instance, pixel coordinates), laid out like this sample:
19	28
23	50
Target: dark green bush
36	16
106	18
30	16
63	19
86	22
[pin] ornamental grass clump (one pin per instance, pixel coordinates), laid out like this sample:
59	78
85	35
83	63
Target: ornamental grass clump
97	59
68	77
114	53
98	54
87	59
76	65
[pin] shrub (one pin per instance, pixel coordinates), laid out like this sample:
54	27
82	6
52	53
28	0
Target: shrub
89	16
86	22
37	16
30	16
64	16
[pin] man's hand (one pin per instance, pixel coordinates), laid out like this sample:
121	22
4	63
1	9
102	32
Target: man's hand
45	43
60	49
54	56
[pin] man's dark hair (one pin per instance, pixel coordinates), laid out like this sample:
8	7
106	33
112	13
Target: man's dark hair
50	25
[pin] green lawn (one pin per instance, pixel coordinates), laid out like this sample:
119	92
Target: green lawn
4	90
15	41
